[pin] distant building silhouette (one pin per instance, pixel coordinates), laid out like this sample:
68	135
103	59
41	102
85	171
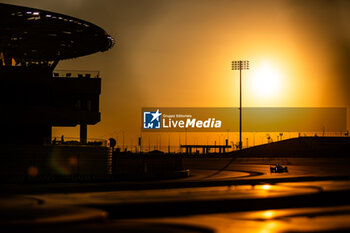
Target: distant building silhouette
32	97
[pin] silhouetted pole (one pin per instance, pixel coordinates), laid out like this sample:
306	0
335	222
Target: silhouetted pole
83	133
168	144
240	65
240	106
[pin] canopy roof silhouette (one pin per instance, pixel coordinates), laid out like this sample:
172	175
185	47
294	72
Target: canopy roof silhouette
33	35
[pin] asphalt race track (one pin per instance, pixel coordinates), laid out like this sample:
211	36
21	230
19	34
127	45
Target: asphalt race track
221	195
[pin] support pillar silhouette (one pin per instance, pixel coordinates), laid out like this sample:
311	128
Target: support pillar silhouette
83	133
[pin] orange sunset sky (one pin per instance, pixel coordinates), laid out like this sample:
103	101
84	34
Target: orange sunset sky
178	53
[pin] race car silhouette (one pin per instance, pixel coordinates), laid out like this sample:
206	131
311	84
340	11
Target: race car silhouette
278	168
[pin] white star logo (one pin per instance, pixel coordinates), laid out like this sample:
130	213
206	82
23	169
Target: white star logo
156	115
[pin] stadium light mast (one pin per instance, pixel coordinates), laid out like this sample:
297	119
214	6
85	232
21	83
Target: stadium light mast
240	65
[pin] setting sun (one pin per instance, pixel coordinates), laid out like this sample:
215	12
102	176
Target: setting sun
266	81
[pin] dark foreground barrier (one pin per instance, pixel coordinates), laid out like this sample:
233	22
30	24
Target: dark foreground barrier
54	163
83	163
147	165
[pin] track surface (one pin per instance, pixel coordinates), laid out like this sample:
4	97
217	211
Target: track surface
221	196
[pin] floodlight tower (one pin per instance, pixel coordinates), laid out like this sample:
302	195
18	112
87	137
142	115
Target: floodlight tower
240	65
